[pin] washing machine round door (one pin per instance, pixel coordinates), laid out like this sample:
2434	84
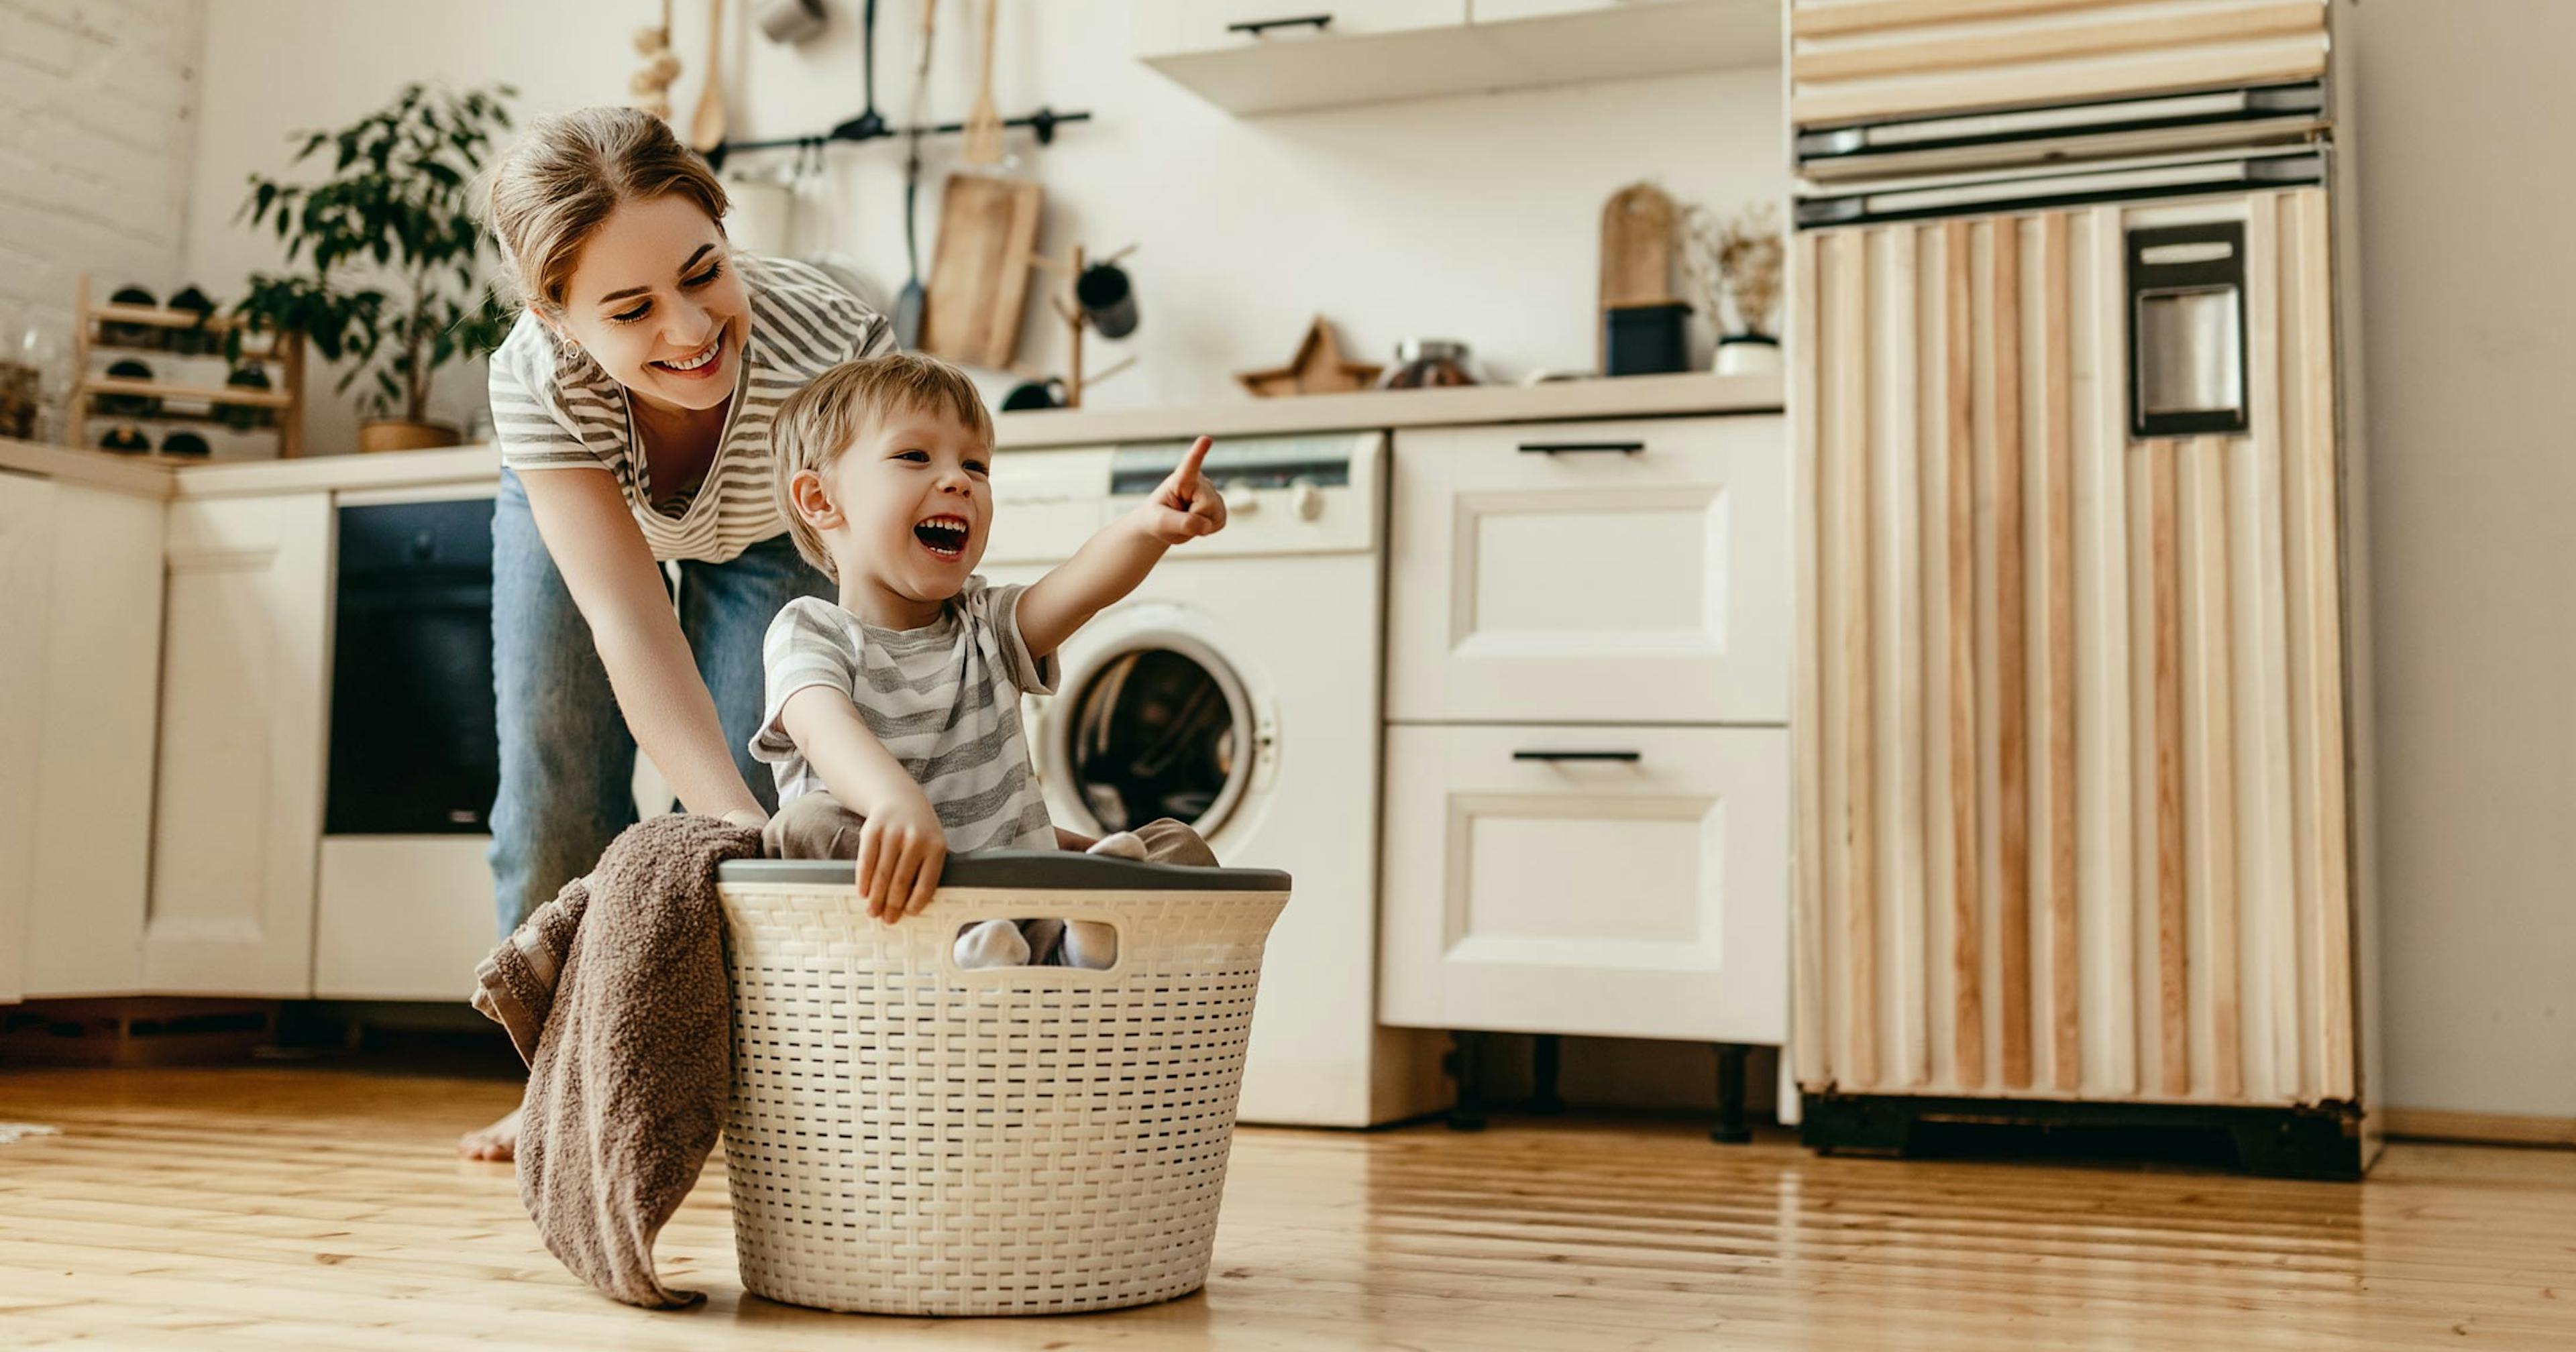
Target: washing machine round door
1157	725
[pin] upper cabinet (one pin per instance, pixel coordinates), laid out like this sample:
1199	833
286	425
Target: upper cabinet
1263	56
1858	60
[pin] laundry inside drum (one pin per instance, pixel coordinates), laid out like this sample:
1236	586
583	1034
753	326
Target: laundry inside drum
1154	735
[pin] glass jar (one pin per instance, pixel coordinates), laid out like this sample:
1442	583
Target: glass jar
1425	363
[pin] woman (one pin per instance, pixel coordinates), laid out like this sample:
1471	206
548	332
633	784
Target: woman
633	402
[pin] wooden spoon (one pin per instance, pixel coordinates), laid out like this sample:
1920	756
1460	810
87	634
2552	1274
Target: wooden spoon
983	142
707	125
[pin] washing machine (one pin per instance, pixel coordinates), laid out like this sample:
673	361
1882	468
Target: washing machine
1238	689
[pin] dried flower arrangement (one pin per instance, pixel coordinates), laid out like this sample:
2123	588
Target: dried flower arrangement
1736	259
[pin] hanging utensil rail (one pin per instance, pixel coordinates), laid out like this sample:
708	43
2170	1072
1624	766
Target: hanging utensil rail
1042	123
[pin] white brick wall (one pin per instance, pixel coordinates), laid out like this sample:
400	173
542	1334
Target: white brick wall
98	111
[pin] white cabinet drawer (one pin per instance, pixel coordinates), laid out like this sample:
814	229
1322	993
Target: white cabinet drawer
1172	27
1608	897
1620	572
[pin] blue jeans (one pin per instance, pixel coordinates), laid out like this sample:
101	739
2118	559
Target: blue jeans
567	760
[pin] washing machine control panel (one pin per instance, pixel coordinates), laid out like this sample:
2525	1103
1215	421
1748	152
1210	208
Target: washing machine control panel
1295	494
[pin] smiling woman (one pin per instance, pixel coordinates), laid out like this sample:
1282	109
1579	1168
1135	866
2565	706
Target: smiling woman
633	402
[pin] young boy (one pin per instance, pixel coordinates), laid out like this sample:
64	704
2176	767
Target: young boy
893	718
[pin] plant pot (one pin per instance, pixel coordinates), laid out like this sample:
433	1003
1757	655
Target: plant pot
1745	354
395	434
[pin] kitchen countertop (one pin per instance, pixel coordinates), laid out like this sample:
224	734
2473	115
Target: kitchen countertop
1628	397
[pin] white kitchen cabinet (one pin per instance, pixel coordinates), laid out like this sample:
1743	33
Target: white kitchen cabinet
1615	572
1626	882
1411	49
80	592
401	917
238	812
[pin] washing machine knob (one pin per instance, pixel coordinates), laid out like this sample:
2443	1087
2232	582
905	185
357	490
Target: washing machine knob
1240	500
1307	499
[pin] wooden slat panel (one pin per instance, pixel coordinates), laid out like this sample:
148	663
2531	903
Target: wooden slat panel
2106	707
2057	453
2106	37
2321	577
2294	58
1959	504
1900	453
1808	20
2172	994
2263	682
1811	1035
1849	296
2012	661
2212	795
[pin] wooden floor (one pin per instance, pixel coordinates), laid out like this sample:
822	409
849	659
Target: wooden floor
299	1208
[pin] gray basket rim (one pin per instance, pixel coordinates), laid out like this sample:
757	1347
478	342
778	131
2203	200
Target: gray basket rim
1053	870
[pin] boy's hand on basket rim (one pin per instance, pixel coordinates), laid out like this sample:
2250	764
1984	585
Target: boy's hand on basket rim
902	847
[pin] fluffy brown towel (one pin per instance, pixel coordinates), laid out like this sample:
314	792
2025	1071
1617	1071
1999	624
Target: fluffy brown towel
615	993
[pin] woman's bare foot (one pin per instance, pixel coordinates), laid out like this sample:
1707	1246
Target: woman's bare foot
498	1142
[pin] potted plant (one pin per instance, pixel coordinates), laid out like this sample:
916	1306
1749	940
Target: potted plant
390	244
1737	260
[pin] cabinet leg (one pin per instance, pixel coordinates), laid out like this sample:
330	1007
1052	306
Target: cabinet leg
1464	1051
1546	1050
1731	1129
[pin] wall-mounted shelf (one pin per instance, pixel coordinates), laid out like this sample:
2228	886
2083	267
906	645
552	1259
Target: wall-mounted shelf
1269	56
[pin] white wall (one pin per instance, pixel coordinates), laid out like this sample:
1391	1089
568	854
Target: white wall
97	122
1475	218
2467	192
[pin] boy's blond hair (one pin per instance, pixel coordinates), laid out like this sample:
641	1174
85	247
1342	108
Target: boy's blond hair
820	421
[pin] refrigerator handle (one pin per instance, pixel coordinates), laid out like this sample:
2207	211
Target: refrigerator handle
2187	330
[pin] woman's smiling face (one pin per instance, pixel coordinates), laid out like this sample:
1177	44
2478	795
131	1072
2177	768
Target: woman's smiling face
656	302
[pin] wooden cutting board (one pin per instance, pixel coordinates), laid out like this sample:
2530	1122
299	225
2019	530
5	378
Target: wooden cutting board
979	274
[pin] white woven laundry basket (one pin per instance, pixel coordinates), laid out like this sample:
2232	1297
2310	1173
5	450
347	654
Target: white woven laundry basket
907	1137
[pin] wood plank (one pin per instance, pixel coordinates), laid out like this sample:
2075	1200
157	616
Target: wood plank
1902	452
2268	836
2107	705
2057	431
1967	965
2172	991
2212	795
2321	577
2108	36
2295	58
1810	20
2012	659
1813	1040
1852	467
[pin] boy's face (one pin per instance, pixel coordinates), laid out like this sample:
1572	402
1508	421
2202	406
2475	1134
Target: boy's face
914	504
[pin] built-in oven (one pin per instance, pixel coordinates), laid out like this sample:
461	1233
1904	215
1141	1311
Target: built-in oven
414	749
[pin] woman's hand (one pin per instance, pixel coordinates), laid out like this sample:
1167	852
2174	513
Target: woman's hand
901	849
1184	506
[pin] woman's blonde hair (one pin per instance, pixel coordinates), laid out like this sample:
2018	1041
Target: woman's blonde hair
550	192
818	423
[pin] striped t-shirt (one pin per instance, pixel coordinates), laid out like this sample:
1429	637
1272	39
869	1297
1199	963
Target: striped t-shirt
943	698
553	407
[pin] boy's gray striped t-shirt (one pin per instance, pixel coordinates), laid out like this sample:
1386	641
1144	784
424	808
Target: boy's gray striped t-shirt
943	698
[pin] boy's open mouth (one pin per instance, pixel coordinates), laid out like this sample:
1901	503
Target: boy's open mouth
944	536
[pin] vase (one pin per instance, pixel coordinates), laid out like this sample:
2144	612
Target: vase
1746	354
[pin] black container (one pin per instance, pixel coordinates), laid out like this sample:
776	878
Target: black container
129	405
199	341
414	745
245	417
115	334
125	440
186	443
1108	297
1646	340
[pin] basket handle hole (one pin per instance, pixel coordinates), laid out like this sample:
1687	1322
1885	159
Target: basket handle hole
1044	941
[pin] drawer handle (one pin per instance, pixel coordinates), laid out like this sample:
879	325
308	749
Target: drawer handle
1581	447
1624	757
1258	27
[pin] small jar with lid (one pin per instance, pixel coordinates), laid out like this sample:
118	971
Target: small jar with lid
1425	363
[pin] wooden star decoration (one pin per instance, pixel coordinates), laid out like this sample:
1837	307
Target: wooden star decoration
1318	368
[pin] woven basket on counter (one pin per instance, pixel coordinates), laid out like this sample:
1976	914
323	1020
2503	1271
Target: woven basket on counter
907	1137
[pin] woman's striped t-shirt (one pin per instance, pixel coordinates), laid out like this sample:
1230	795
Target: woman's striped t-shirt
553	407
